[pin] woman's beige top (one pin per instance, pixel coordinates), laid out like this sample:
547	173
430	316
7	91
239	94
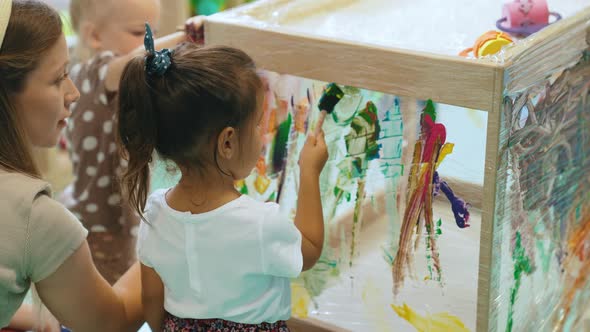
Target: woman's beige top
37	234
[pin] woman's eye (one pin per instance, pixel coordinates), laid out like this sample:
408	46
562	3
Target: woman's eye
61	78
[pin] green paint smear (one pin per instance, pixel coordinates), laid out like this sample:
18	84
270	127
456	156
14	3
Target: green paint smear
344	112
316	279
522	266
438	228
365	124
361	144
429	253
544	253
279	152
430	110
339	192
388	256
244	190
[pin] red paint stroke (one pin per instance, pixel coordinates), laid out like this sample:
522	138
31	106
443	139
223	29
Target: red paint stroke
420	192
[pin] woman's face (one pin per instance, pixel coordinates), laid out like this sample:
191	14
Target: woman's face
44	103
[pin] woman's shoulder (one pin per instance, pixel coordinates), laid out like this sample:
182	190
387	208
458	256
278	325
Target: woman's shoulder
21	188
28	199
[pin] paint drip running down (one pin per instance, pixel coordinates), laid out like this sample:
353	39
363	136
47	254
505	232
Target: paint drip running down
423	184
362	147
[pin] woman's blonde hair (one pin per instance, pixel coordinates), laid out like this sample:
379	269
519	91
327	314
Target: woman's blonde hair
32	30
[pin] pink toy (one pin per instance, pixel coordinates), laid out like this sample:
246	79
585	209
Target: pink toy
525	17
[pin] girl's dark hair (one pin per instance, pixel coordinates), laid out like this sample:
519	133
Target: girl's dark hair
33	29
177	114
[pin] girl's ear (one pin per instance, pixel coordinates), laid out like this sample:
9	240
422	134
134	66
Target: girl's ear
227	143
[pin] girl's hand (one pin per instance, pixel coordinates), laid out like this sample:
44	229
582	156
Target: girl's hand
313	155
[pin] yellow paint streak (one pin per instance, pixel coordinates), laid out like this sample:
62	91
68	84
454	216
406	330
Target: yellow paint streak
441	322
299	300
446	150
261	184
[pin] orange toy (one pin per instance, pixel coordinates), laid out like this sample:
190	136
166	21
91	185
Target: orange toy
489	43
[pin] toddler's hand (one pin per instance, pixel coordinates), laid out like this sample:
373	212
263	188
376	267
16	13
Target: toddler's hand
194	29
313	155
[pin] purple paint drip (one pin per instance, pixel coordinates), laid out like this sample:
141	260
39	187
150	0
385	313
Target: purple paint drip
459	206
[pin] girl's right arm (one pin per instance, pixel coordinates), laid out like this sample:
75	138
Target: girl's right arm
81	299
309	216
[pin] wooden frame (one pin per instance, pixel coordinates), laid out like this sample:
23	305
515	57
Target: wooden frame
394	71
418	75
312	325
489	203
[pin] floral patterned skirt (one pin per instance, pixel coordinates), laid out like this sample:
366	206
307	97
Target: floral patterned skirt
175	324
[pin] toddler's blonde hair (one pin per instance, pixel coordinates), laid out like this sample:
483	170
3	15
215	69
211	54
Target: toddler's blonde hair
86	10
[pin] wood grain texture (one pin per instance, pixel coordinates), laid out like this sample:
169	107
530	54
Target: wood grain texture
488	206
312	325
544	54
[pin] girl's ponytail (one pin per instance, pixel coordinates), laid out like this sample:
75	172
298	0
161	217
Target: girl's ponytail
137	133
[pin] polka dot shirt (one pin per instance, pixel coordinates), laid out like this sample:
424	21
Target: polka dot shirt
94	196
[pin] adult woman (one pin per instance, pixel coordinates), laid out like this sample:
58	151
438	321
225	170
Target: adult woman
40	241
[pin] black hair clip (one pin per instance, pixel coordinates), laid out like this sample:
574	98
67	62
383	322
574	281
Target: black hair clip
156	62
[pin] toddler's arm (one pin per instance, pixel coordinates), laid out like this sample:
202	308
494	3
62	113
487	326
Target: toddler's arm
117	66
309	216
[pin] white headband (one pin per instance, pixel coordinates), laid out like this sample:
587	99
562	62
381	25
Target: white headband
5	8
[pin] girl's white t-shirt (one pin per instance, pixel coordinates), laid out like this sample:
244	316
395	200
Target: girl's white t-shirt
232	263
